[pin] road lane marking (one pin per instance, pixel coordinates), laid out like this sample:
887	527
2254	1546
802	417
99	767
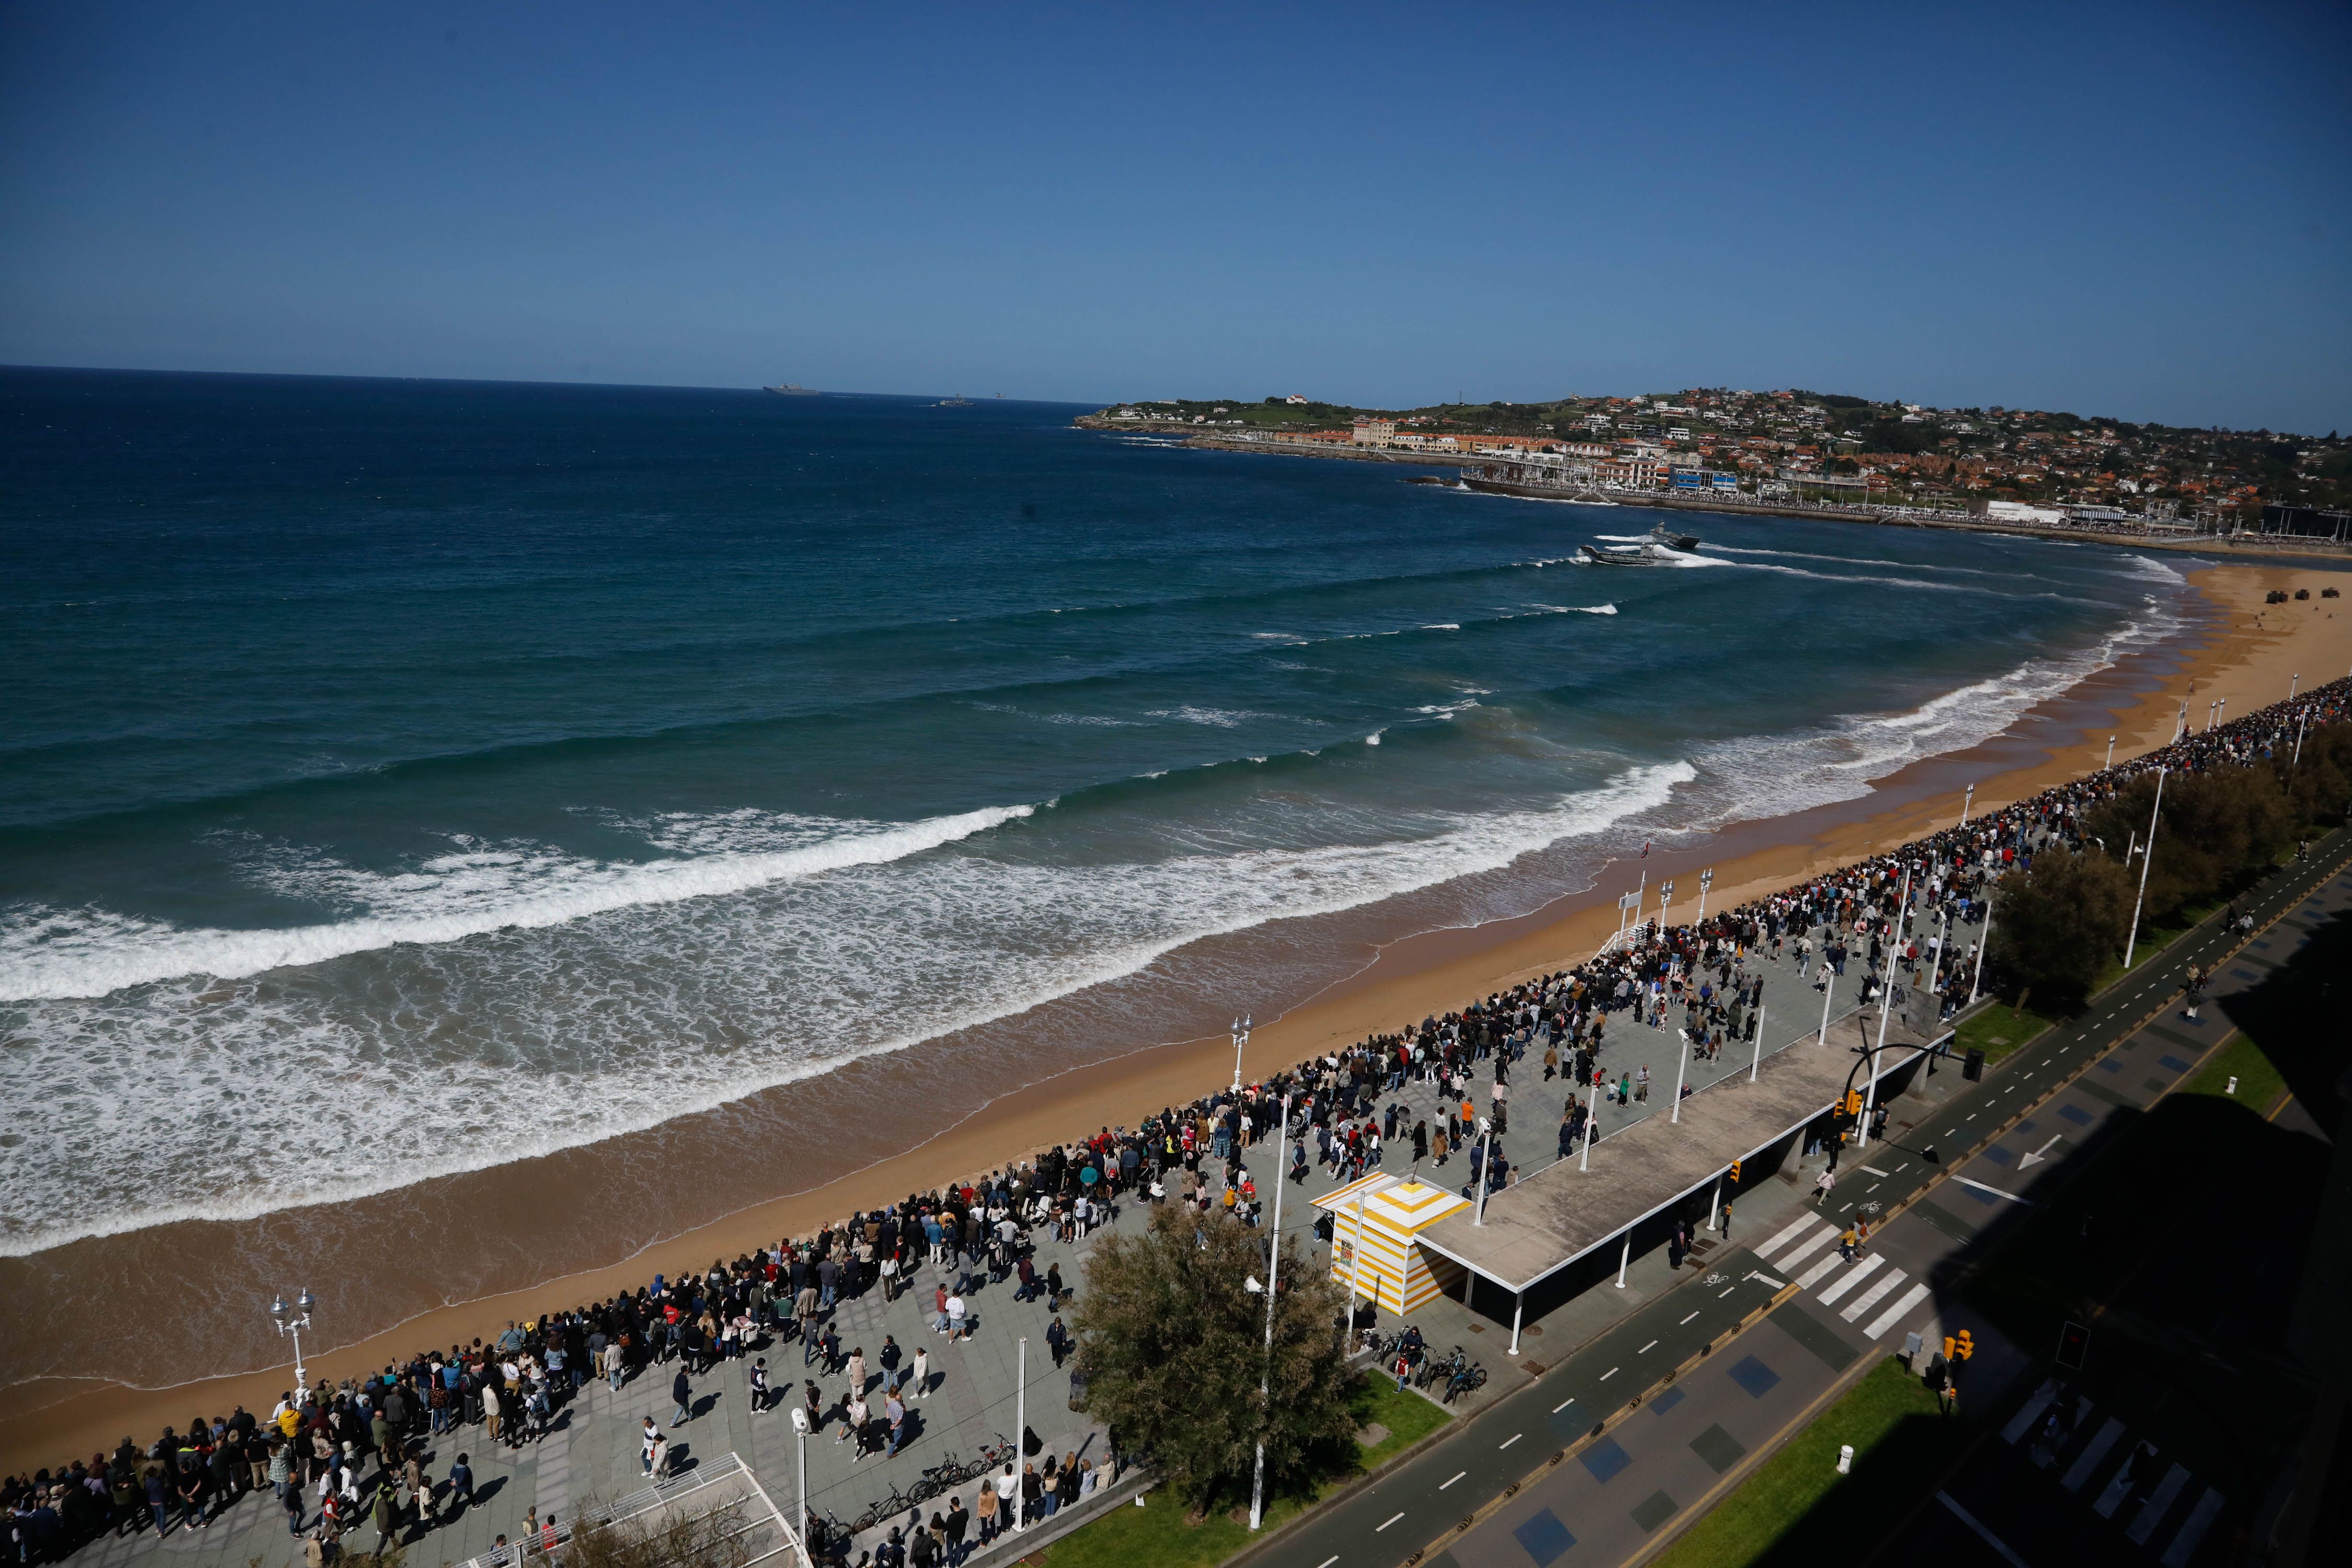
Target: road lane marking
1392	1518
1609	1374
1875	1295
1996	1192
1686	1320
1909	1298
1509	1441
1860	1272
1459	1474
1830	1263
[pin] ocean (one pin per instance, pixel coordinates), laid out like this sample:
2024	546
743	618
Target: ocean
404	779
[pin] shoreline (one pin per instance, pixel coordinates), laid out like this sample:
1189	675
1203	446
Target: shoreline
2280	549
2234	648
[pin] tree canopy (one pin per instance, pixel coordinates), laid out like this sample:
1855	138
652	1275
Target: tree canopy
2058	926
1172	1341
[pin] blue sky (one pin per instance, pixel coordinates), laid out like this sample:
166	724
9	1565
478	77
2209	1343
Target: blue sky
2133	210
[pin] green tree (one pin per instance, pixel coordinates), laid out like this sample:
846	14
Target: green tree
1173	1343
2059	924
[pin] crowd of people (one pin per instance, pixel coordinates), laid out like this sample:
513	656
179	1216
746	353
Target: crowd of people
347	1455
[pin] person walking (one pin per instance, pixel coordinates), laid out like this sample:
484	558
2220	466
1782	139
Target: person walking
682	1392
1823	1182
918	1372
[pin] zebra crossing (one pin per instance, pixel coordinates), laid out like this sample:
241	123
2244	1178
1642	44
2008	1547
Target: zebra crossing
1881	1294
2050	1427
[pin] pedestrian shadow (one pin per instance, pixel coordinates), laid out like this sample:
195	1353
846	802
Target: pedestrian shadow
703	1406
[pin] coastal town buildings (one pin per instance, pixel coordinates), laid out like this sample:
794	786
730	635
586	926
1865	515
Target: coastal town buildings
2037	466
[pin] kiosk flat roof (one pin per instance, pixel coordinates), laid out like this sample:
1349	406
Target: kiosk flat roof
1539	1226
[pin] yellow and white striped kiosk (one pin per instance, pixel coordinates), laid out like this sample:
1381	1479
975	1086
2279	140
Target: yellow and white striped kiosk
1383	1263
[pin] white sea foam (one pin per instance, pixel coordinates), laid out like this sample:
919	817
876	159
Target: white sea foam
1773	775
191	1098
1215	718
54	954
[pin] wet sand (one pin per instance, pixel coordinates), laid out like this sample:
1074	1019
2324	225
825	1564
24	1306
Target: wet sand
449	1260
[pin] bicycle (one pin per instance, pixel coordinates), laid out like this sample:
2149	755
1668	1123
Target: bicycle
1466	1380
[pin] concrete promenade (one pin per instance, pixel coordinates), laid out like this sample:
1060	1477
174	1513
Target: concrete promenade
592	1450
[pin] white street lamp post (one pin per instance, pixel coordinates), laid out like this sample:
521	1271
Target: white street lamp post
1967	802
1756	1066
1885	1006
2111	752
2141	897
293	1321
1273	1273
1241	1033
1021	1429
1705	880
1984	940
1485	1174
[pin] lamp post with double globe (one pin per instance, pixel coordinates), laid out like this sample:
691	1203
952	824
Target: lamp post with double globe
293	1321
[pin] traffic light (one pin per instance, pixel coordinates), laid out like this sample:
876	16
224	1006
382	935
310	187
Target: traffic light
1951	1347
1853	1102
1734	1173
1964	1347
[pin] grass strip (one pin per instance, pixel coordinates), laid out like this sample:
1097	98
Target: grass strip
2260	1083
1158	1535
1999	1030
1801	1481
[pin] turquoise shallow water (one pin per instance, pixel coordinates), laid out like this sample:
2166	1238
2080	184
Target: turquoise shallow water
564	759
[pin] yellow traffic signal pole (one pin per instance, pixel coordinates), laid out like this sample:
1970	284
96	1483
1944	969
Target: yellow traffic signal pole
1886	991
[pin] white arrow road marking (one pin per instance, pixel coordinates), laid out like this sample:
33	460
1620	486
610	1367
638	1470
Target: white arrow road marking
2039	1154
1996	1192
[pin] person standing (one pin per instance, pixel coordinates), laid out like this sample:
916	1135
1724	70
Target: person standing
920	1374
758	1385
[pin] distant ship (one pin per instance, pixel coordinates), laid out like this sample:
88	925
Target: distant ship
792	389
958	401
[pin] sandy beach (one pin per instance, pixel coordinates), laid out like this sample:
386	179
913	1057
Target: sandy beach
2238	650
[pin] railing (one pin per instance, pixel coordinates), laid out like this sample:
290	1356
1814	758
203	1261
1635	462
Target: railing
542	1549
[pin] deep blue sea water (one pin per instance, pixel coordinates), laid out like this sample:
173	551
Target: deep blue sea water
547	762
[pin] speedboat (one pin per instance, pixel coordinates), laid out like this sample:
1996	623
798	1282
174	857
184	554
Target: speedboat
1661	535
